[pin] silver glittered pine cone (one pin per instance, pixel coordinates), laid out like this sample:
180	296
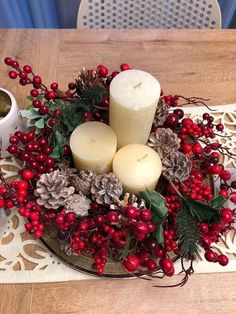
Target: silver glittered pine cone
79	204
65	168
161	114
52	190
106	189
87	79
82	181
164	141
176	166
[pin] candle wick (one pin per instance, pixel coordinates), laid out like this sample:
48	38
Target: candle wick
142	158
137	85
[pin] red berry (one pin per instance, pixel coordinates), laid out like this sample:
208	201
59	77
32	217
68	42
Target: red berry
102	70
203	227
225	175
12	75
37	79
54	86
15	64
151	265
145	214
8	61
226	215
172	120
14	139
124	67
223	260
66	150
179	113
159	252
72	86
210	256
220	127
2	189
50	95
112	217
131	263
114	74
2	203
141	228
28	226
22	185
9	204
34	93
131	212
83	225
36	103
23	75
170	273
13	149
197	148
43	110
151	226
38	233
186	148
27	68
166	264
27	174
216	169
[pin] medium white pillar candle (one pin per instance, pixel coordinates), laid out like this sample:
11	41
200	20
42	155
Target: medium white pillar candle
138	167
93	145
134	96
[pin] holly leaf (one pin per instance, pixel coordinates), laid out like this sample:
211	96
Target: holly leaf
202	211
156	203
218	201
40	123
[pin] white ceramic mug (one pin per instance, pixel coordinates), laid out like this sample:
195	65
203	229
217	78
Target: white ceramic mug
9	124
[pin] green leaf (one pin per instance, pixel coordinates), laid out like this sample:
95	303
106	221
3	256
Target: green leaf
58	142
31	98
187	232
158	234
218	201
40	123
202	211
156	203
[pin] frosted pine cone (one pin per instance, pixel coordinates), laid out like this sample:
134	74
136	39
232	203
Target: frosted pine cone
83	181
87	79
79	204
164	141
106	189
52	191
176	167
161	114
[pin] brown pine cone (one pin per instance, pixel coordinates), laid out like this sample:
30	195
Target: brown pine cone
79	204
176	166
106	189
87	79
164	141
52	191
83	181
161	114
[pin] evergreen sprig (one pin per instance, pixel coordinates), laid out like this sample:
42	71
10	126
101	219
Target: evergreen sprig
187	232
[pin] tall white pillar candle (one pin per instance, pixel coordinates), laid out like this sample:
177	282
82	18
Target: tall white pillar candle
134	96
93	145
138	167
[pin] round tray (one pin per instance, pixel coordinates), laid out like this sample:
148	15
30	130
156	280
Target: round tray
84	262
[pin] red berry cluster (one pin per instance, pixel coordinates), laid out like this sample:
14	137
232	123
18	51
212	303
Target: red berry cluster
34	151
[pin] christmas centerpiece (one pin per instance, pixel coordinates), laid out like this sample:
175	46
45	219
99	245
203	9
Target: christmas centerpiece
116	180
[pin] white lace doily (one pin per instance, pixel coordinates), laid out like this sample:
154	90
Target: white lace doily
24	259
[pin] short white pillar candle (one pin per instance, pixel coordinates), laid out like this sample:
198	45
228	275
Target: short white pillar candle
134	97
138	167
93	145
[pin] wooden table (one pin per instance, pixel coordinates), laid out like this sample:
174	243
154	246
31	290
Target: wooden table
189	62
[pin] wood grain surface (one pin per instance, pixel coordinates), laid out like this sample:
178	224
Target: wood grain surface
189	62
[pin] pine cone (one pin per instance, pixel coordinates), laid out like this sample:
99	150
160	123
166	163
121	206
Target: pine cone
86	79
176	166
52	191
79	204
68	172
164	141
83	181
161	114
106	189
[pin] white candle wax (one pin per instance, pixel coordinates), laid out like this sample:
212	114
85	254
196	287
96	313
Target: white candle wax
138	167
93	145
134	96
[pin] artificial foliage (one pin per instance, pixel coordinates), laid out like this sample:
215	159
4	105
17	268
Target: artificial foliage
92	213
